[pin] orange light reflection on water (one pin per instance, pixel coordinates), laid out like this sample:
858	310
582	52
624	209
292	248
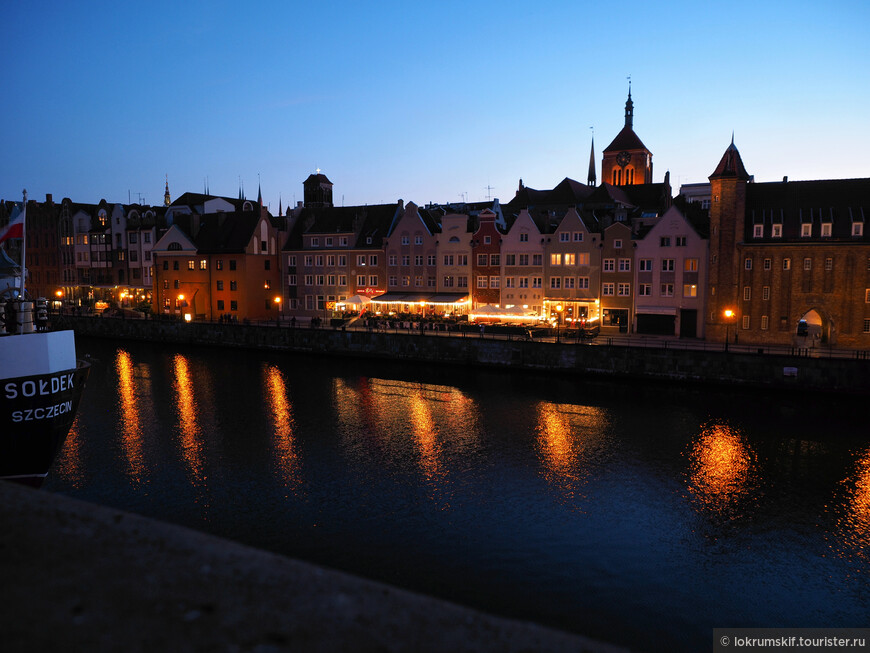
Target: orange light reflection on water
284	425
722	474
424	435
855	523
569	437
191	444
131	442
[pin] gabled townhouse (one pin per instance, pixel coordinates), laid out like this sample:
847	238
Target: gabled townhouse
214	265
413	268
617	277
454	254
572	272
486	243
522	261
670	277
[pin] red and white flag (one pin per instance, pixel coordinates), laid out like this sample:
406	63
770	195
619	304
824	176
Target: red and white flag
15	228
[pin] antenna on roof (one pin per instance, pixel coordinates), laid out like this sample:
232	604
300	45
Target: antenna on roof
489	190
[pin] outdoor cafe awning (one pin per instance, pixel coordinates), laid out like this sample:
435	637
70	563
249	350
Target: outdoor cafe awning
429	298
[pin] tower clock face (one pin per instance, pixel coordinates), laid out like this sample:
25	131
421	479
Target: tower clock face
623	158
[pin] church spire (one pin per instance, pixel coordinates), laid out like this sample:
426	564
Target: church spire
591	180
629	109
166	200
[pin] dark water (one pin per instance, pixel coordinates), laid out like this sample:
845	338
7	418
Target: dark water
644	515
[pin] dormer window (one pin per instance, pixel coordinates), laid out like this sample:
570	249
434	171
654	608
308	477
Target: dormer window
776	230
758	231
315	242
826	229
806	229
857	228
329	242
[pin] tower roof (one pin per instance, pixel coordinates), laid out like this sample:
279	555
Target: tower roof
591	178
731	165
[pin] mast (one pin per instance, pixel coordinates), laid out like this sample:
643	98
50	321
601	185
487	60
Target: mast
23	245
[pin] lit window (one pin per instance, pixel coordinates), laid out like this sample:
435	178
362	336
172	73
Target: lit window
786	264
776	230
757	231
690	290
745	321
826	229
764	322
555	259
806	230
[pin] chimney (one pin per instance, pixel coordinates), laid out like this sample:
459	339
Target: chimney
48	198
785	179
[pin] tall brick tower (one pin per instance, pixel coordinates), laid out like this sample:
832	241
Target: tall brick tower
727	216
627	161
317	191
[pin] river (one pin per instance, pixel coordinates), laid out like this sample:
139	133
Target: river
637	513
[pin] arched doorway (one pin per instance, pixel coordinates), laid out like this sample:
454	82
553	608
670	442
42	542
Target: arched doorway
811	329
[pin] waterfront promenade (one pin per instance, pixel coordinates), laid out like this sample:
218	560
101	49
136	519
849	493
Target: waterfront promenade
80	577
626	357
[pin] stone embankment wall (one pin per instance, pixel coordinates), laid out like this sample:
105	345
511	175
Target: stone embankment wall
802	373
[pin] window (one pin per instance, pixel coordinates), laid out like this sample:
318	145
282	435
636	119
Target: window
665	241
867	326
373	280
220	284
829	263
623	289
392	260
857	228
608	289
747	293
494	260
747	264
268	284
691	265
318	260
482	281
342	260
745	321
146	237
361	280
644	289
483	258
406	240
617	243
786	264
328	241
690	290
392	279
291	279
234	285
430	260
494	282
203	264
309	260
806	230
826	230
234	305
578	236
757	230
667	265
570	259
536	282
646	265
625	265
764	322
680	241
555	283
564	237
487	240
583	258
609	265
765	293
667	290
361	260
191	265
808	264
220	304
524	259
555	259
583	283
373	259
232	264
174	265
524	282
448	259
418	280
418	260
776	230
537	259
418	240
315	242
175	284
342	241
309	279
867	296
330	261
568	283
524	237
767	263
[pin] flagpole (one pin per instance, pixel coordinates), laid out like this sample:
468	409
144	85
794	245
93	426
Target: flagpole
23	257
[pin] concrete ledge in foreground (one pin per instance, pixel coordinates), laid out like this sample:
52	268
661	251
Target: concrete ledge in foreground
81	577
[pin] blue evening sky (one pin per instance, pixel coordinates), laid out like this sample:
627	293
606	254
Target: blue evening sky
425	102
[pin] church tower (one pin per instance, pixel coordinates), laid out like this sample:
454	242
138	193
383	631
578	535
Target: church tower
590	179
317	191
727	216
626	160
166	200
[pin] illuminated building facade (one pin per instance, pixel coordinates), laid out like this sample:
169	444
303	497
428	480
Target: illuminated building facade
790	260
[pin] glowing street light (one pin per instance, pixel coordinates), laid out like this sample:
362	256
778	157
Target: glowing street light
728	315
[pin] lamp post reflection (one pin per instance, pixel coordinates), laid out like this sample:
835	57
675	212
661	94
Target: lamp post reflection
129	413
721	469
284	425
187	411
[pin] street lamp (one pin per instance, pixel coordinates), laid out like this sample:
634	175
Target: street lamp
558	321
277	301
728	315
